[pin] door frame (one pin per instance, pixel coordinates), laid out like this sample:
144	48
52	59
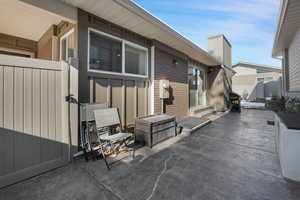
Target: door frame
60	43
205	88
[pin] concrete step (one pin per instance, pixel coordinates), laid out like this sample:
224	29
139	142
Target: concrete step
191	124
203	111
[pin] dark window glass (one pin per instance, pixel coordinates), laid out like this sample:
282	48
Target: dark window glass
196	87
105	53
135	60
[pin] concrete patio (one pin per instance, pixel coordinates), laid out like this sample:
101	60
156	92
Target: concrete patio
231	158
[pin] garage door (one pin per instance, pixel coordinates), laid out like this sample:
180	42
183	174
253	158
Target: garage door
33	117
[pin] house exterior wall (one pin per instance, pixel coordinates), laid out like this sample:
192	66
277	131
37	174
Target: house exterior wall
219	87
17	43
220	79
48	45
128	93
244	70
245	85
178	104
294	64
227	53
285	72
220	48
215	47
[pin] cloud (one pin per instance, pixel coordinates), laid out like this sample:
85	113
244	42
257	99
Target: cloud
248	24
257	9
262	9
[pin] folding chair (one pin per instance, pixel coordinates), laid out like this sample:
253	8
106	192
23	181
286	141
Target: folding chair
109	118
87	122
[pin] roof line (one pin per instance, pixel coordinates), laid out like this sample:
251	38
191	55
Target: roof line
137	9
251	65
221	35
280	20
229	68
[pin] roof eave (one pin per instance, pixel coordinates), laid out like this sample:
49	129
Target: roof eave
152	19
283	7
250	65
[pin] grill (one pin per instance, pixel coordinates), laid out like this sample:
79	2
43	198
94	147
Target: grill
154	129
235	101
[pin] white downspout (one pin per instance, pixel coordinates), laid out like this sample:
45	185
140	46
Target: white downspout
152	80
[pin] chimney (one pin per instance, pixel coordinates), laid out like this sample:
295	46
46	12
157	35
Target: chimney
220	48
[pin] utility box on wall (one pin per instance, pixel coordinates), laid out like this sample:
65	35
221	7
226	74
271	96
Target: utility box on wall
164	91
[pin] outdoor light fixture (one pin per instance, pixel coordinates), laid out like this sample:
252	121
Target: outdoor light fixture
175	62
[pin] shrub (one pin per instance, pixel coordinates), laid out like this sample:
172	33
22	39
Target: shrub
293	105
284	104
276	104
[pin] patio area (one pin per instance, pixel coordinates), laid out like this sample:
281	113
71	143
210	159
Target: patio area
231	158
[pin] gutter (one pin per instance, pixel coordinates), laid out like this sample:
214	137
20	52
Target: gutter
143	13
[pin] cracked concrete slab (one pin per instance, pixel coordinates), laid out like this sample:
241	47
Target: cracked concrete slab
233	158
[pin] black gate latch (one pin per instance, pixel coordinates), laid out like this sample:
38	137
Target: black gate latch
71	99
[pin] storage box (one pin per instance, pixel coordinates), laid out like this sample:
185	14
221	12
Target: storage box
154	129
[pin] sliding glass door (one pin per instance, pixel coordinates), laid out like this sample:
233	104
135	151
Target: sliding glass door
196	87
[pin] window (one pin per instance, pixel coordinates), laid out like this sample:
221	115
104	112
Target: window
105	53
135	60
196	87
261	71
109	54
264	80
268	79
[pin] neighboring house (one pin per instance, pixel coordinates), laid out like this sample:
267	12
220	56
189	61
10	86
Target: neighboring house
254	82
121	52
287	45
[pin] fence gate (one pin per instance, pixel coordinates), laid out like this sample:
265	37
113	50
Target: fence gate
33	117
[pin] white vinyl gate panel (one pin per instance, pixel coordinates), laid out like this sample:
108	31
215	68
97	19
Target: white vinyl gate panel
33	117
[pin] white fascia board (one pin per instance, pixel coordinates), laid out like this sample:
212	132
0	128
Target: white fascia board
283	8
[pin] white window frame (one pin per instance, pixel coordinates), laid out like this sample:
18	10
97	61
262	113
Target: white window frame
123	42
60	43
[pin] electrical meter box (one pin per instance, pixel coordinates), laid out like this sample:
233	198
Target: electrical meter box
164	91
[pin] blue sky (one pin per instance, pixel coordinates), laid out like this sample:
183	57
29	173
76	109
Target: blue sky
248	24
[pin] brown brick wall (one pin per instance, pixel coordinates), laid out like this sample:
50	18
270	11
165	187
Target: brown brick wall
178	77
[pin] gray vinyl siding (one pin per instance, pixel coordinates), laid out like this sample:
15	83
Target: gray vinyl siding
294	64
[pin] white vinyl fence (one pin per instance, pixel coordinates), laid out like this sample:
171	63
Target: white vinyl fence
34	133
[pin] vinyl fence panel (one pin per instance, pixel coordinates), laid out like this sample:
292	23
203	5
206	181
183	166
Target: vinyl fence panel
33	117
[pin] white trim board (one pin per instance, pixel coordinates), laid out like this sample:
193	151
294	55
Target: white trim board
60	42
